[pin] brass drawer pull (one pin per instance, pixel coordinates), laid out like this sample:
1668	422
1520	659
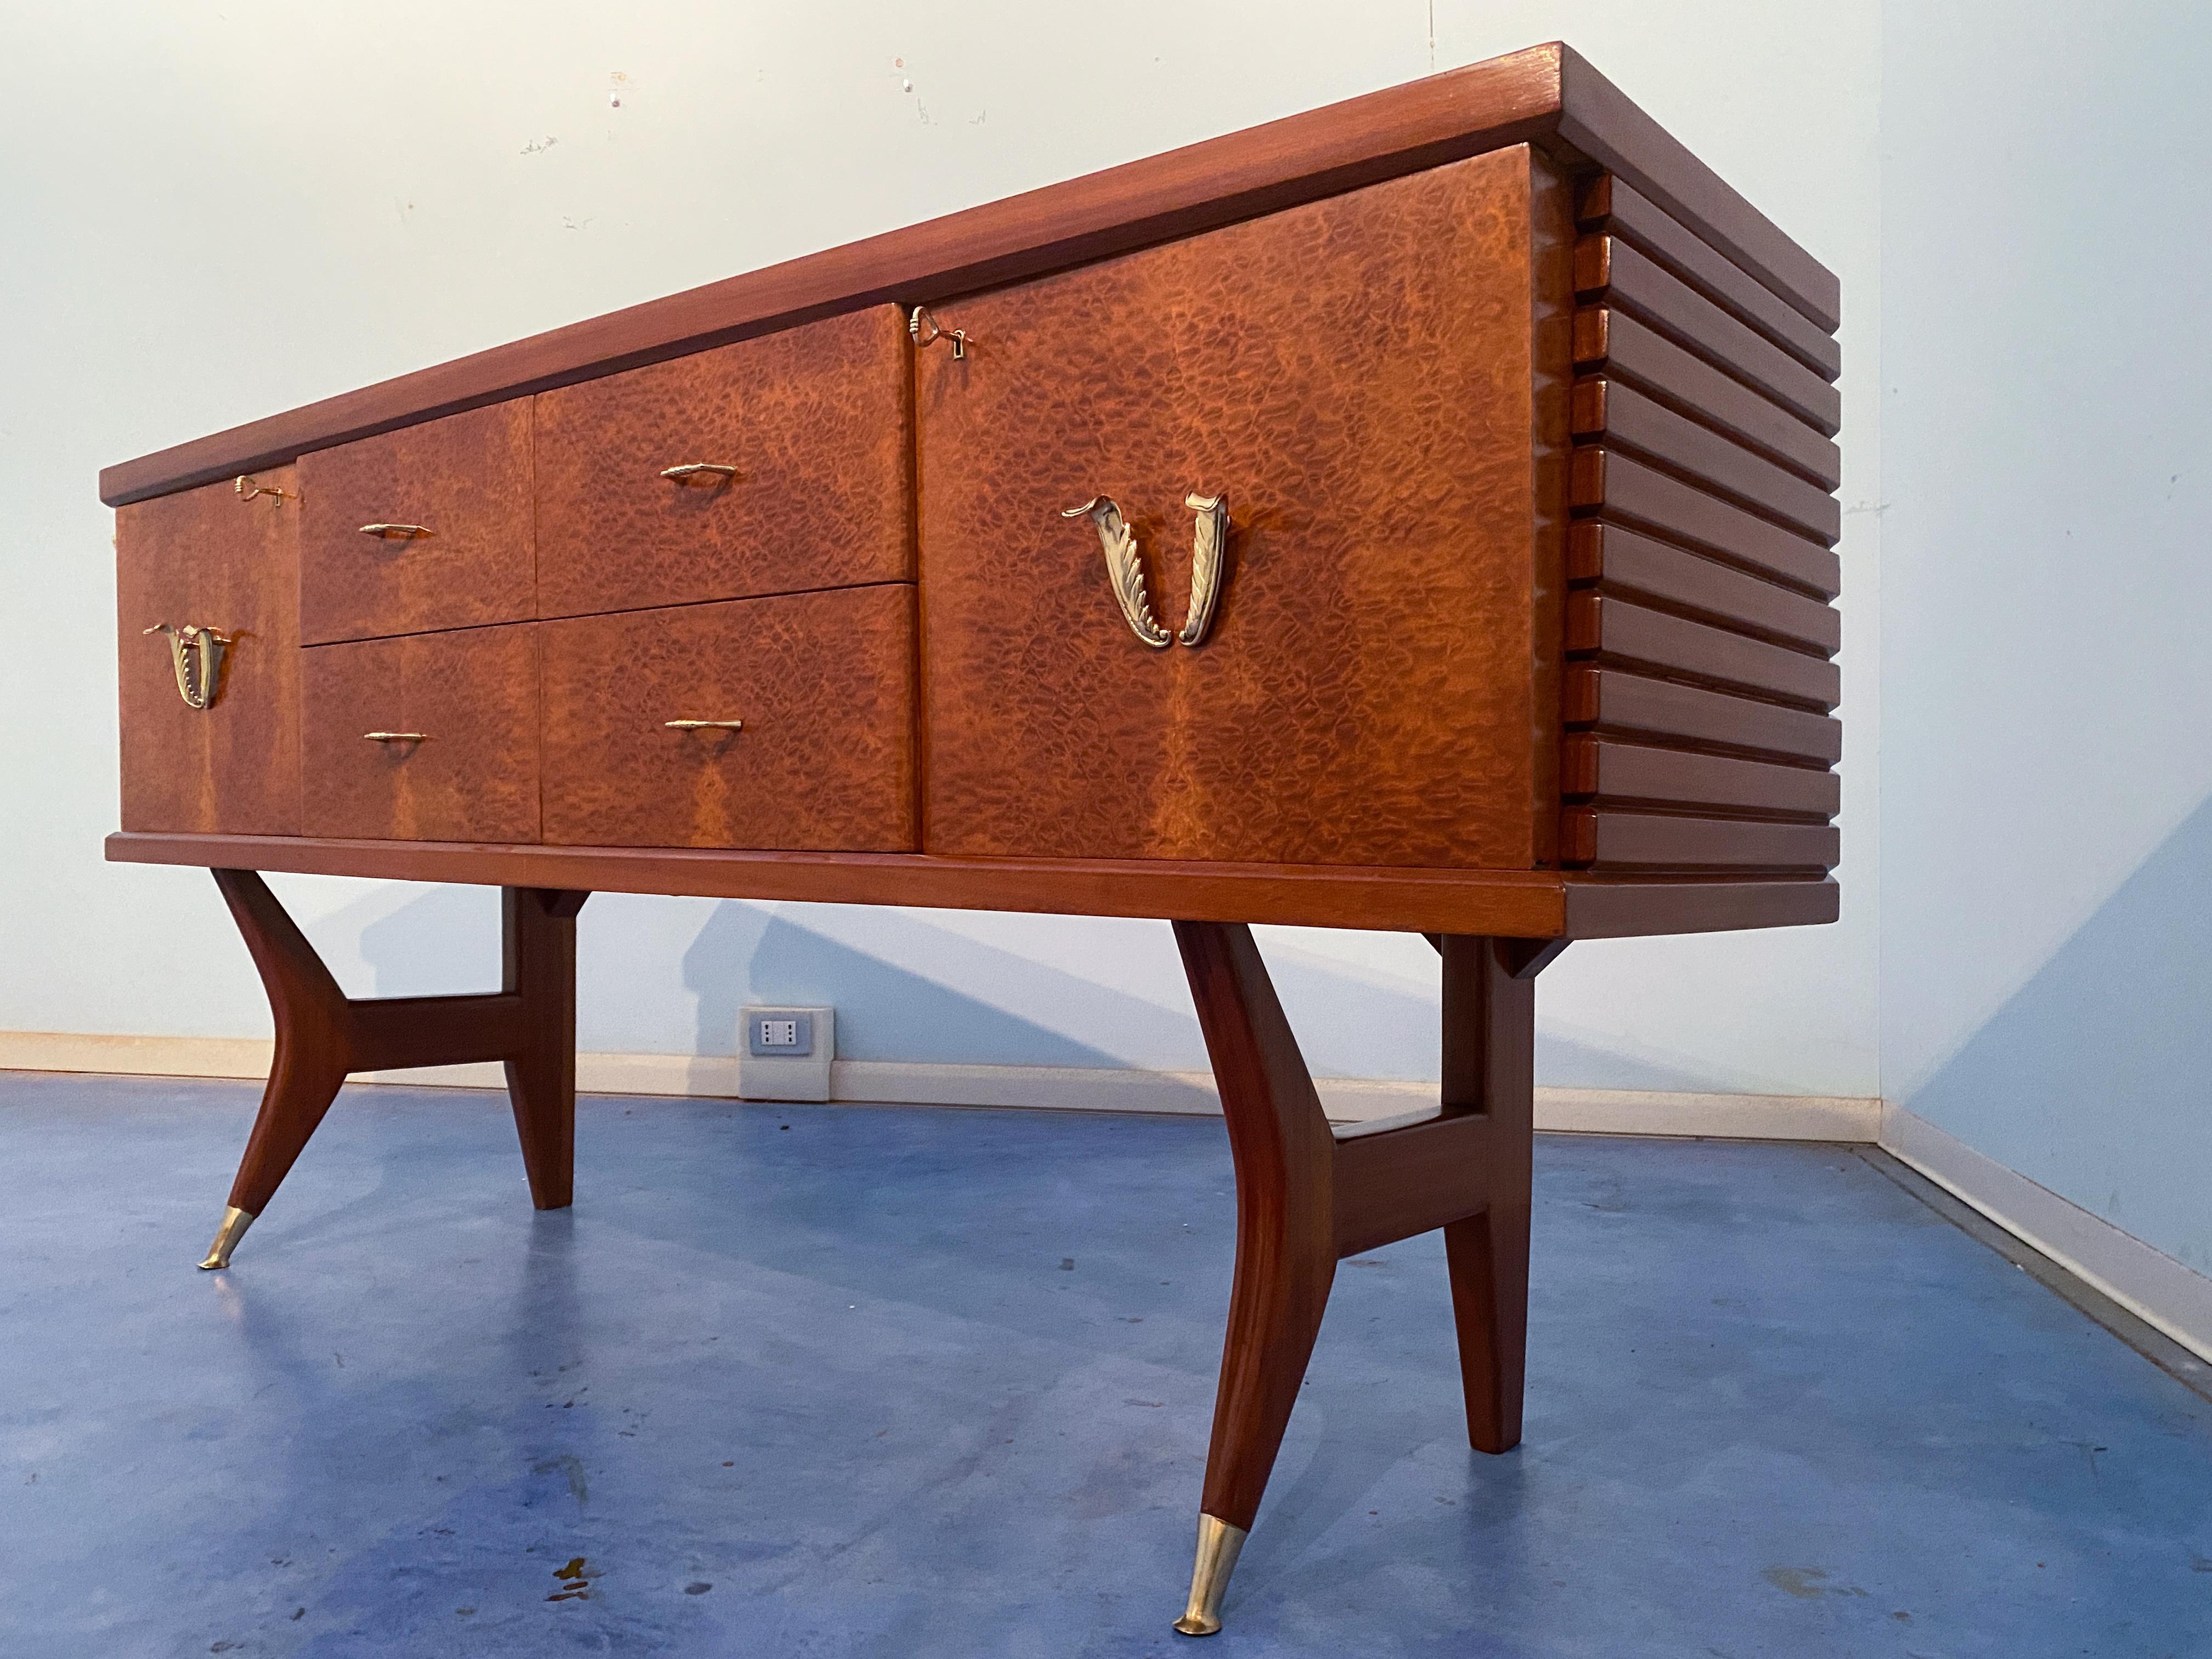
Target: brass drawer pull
1208	565
197	654
397	532
704	726
712	472
397	737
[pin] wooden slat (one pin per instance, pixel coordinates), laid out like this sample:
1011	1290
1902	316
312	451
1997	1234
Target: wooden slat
1611	342
1617	629
1611	700
1612	907
1615	206
1609	270
1648	841
1628	491
1613	132
1636	565
1610	772
1627	419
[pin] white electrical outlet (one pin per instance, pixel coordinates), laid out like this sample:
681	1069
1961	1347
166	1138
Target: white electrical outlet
784	1054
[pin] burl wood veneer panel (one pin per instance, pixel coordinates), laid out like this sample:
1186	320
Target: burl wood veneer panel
212	558
472	694
466	480
824	684
816	419
1361	376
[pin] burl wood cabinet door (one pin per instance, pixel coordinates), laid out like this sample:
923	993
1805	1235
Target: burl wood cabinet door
433	736
422	528
773	723
1376	383
790	462
218	559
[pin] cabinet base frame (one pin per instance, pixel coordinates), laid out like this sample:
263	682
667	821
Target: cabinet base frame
322	1034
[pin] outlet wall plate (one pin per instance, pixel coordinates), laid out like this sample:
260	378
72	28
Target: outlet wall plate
784	1054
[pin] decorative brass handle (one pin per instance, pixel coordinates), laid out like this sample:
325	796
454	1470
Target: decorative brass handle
1208	566
197	654
397	737
713	470
922	329
704	726
397	532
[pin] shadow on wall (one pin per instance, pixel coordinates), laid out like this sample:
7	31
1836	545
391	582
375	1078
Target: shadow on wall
2096	1076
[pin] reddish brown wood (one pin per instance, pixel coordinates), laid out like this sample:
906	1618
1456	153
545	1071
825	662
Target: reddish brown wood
1602	908
1641	840
472	693
1389	546
1615	774
1625	418
1612	342
1639	636
466	480
1545	95
822	682
1606	203
1623	561
1306	1196
216	559
1626	491
1611	271
1286	1253
817	420
322	1035
1615	701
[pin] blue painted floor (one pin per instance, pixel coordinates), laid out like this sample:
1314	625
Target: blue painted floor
907	1383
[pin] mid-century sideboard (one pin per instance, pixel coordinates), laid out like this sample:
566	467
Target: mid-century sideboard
1413	514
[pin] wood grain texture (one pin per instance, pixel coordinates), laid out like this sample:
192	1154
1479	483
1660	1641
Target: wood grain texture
1637	636
1616	207
323	1036
1623	561
1615	701
824	683
1638	840
1610	341
211	558
818	422
1626	491
1382	559
1625	419
1610	270
1545	95
467	479
1606	772
1609	907
472	692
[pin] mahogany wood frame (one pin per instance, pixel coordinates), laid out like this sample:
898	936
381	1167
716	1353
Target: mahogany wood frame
1308	1195
322	1034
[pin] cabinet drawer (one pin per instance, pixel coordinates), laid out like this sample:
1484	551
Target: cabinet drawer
1361	377
212	558
813	428
423	528
822	683
458	761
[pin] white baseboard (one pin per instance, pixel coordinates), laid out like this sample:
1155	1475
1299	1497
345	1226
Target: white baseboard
1347	1100
2149	1284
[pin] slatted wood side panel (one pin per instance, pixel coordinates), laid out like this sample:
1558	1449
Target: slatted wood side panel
1701	633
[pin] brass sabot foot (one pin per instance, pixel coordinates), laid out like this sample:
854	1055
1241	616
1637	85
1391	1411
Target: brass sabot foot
235	1221
1217	1544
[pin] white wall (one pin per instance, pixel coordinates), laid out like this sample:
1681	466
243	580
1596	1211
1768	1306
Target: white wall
2046	970
213	215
